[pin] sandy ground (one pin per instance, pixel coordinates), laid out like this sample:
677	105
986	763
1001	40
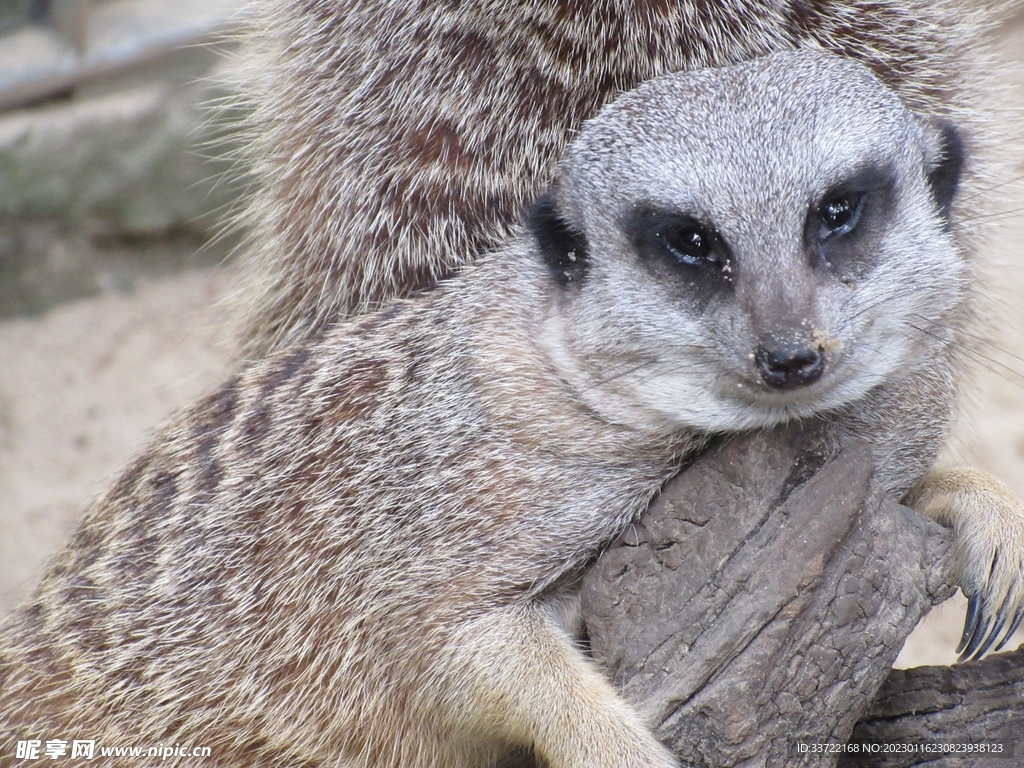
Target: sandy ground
83	386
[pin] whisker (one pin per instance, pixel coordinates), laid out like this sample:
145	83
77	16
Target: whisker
1000	185
875	351
868	307
978	357
982	339
660	364
995	216
636	367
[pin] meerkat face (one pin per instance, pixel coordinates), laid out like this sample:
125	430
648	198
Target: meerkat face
733	248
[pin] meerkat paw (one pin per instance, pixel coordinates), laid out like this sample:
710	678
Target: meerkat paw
531	685
988	520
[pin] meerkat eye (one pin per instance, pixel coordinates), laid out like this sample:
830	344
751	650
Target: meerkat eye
839	214
679	241
691	244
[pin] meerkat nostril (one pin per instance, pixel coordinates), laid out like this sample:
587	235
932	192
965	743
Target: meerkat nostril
786	366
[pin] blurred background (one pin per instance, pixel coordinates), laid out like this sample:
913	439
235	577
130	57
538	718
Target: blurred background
112	181
113	278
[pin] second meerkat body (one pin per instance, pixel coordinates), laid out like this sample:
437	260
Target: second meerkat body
360	551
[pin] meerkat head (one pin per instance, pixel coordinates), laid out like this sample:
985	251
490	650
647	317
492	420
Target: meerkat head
733	248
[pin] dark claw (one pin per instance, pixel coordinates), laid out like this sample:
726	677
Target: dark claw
971	623
1011	630
996	629
976	638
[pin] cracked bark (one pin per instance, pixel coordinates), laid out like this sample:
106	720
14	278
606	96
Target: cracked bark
973	702
762	599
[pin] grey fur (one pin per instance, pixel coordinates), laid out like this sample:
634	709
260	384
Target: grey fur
361	551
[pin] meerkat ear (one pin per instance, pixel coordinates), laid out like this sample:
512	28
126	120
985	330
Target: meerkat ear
944	176
562	247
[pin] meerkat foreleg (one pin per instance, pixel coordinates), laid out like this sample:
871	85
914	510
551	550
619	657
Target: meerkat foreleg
530	685
988	519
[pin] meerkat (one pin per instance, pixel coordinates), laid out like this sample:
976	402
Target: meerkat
363	550
393	142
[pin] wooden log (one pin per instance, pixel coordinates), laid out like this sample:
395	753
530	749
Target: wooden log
761	600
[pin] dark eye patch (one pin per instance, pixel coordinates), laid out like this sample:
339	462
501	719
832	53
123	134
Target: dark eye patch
677	238
944	178
839	211
563	248
844	224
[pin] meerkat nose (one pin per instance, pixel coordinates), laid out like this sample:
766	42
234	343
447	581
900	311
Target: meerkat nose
787	366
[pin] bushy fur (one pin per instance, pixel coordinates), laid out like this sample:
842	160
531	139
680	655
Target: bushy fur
362	550
393	142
